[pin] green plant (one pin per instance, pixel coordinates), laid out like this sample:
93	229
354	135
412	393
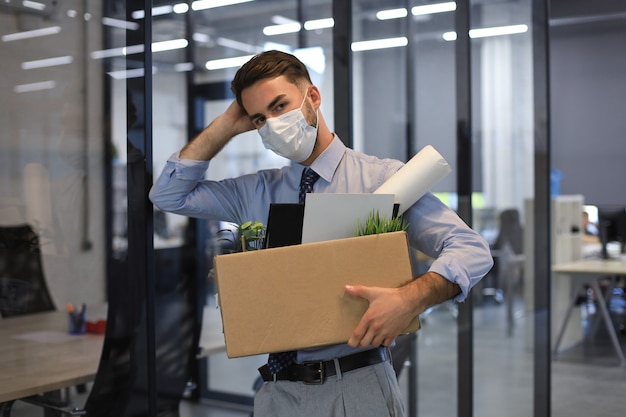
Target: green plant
249	236
376	224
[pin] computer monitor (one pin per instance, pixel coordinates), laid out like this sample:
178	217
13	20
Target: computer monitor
612	226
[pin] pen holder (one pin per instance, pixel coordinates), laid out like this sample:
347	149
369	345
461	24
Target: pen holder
76	322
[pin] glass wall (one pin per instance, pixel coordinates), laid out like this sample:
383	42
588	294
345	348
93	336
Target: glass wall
86	129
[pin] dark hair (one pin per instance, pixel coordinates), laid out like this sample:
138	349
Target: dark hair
269	64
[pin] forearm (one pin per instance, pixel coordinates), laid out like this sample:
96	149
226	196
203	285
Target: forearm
429	290
209	142
215	136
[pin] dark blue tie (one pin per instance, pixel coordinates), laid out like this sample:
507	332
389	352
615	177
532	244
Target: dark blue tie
280	360
306	183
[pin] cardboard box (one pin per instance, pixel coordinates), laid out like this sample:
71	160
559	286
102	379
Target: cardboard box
293	297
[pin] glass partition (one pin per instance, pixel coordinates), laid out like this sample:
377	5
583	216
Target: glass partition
85	130
53	143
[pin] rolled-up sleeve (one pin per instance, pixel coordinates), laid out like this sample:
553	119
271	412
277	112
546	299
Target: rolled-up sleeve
174	189
460	254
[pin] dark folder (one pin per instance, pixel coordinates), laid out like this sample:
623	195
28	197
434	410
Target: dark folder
284	225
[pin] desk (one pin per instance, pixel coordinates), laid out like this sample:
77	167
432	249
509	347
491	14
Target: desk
37	355
588	271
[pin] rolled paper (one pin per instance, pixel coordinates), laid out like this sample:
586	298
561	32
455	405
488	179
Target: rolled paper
415	178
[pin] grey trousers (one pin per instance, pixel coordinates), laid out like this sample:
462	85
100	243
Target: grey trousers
372	391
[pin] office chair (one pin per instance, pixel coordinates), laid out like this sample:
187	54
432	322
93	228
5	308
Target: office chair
120	387
23	288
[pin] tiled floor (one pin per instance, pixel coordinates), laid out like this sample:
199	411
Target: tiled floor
585	380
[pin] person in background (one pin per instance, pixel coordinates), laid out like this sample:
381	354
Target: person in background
275	95
591	233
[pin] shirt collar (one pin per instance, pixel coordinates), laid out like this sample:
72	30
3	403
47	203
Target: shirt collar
326	164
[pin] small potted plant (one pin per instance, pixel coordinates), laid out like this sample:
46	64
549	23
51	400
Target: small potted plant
248	236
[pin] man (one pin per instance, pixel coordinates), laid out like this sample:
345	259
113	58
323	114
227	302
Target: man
275	95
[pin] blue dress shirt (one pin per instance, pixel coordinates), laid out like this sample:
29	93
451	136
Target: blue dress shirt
460	254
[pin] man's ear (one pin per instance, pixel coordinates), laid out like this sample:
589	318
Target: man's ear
315	95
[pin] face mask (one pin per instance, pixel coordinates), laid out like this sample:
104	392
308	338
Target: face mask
289	135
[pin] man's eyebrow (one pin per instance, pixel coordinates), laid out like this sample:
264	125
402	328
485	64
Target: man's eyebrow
269	106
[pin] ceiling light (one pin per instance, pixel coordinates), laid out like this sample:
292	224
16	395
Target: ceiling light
281	20
183	67
282	29
156	11
210	4
137	49
239	46
416	11
169	45
51	30
50	62
379	44
319	24
43	85
391	14
433	8
181	8
201	37
125	50
118	23
227	62
34	5
132	73
498	31
486	32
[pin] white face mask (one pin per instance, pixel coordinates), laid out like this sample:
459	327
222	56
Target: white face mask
290	135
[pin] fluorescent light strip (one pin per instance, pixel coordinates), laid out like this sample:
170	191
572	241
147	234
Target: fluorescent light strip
416	11
52	30
125	74
43	85
156	11
227	62
294	27
169	45
34	5
433	8
49	62
498	31
181	8
239	46
201	37
319	24
183	67
137	49
118	23
281	20
391	14
379	44
210	4
282	29
109	53
487	32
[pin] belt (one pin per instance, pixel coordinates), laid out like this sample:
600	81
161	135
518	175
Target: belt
316	372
